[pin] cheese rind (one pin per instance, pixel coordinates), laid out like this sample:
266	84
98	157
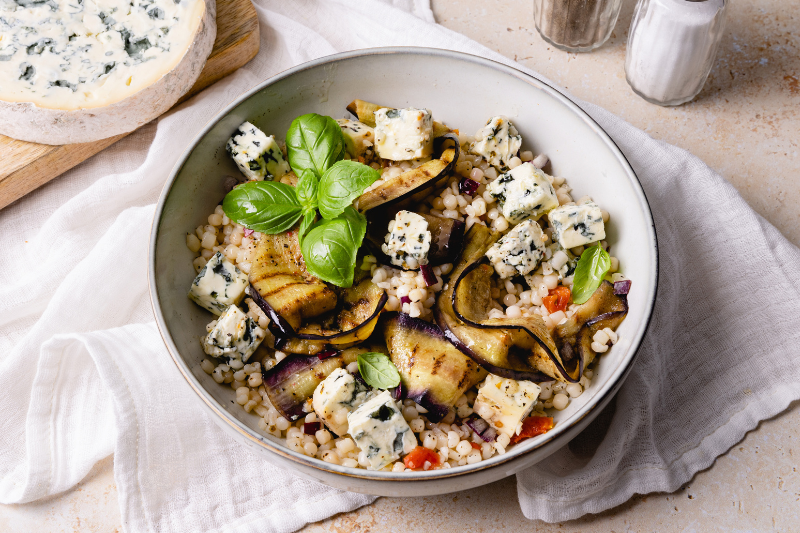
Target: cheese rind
219	285
258	157
403	134
504	403
336	397
380	431
90	77
524	192
234	336
498	141
518	251
577	225
408	242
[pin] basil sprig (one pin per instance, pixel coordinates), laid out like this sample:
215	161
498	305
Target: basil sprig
589	274
315	147
378	371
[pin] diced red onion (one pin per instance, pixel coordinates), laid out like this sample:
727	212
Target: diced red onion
405	300
398	392
468	186
428	275
324	354
482	428
309	428
248	232
622	287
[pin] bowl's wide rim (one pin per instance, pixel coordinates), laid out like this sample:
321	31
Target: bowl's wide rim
600	398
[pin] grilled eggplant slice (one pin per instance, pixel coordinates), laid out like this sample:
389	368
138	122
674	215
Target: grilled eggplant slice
604	309
434	373
281	285
505	347
365	111
410	182
291	382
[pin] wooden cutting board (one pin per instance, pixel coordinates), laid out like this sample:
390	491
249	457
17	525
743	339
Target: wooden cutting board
25	166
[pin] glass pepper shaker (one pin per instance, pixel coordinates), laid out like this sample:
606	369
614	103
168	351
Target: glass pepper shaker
671	48
575	25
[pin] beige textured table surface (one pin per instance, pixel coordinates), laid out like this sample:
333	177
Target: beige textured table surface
746	125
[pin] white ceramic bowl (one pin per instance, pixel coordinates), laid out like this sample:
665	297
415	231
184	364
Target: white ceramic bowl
462	91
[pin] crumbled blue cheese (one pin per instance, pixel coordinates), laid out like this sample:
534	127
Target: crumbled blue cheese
408	240
258	157
403	134
498	141
234	336
518	251
219	285
336	397
380	431
577	225
358	137
505	403
523	192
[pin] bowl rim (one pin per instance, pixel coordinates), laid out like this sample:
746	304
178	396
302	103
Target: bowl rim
600	397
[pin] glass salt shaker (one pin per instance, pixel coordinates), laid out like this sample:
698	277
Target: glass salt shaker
575	25
671	48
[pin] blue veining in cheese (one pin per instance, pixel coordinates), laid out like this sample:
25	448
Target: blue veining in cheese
505	403
358	137
258	157
403	134
498	141
380	431
577	225
219	285
408	241
523	192
234	336
336	397
518	251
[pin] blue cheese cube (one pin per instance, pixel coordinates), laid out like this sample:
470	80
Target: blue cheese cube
358	137
577	225
524	192
505	403
408	240
219	285
380	431
336	397
234	336
498	141
258	157
518	251
403	134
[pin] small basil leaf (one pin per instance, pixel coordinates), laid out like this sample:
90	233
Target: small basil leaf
341	184
330	247
592	267
378	371
265	206
314	143
305	225
307	188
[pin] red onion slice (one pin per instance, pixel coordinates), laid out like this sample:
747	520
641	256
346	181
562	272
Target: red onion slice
405	300
248	232
622	287
428	275
482	428
330	352
309	428
468	186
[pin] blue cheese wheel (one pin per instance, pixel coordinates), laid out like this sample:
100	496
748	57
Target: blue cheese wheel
77	71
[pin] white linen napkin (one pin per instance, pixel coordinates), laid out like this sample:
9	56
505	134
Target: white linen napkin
84	373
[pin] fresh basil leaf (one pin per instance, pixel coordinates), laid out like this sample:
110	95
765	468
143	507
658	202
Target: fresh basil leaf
378	371
307	188
592	267
265	206
341	184
308	220
314	143
330	247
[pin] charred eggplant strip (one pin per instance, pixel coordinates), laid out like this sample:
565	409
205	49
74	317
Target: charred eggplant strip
604	309
412	181
470	297
365	111
434	373
281	285
355	319
501	348
291	382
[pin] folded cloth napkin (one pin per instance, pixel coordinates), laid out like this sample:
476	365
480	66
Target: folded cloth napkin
84	374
